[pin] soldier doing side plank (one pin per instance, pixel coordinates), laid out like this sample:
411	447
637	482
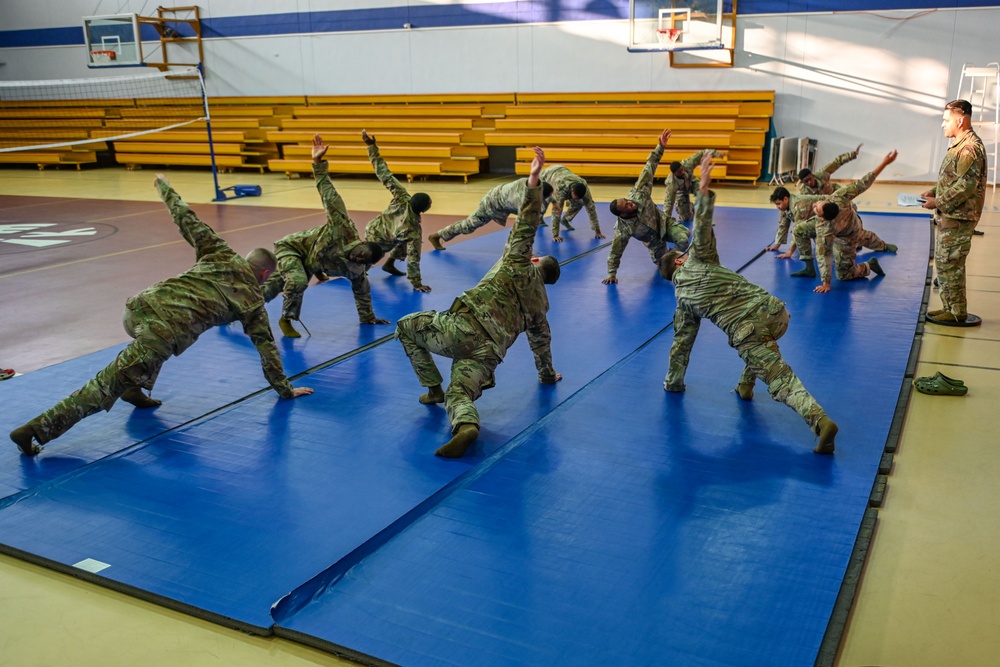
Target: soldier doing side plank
167	319
483	323
752	318
329	250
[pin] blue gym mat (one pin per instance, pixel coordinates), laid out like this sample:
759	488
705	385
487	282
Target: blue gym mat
689	509
224	367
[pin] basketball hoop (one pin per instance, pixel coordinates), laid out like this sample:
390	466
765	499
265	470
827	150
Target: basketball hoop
668	36
102	57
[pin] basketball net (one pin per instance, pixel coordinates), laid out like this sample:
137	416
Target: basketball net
102	57
668	36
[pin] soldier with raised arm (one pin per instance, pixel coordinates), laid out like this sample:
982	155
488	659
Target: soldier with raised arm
496	206
752	319
640	218
166	319
838	231
329	250
483	323
682	183
818	182
570	194
397	229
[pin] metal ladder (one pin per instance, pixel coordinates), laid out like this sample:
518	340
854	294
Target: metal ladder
981	87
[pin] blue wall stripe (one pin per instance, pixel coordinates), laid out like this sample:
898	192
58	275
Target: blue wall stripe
458	16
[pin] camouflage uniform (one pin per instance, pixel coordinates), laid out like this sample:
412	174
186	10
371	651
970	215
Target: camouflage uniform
320	251
752	319
680	188
650	225
167	319
824	186
960	194
562	179
397	229
839	238
484	322
499	203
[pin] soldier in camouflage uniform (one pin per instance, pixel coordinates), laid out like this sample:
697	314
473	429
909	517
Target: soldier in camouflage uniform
397	229
332	249
682	183
499	203
167	319
957	202
838	231
571	191
752	318
483	323
818	183
640	218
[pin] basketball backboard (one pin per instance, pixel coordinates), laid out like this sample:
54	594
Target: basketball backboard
675	25
112	41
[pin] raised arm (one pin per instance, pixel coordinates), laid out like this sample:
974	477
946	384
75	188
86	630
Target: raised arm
652	162
201	237
520	243
333	203
703	245
381	168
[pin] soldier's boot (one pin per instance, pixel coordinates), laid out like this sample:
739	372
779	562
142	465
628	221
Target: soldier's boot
745	391
809	271
936	313
876	267
459	443
890	247
542	223
434	395
827	432
568	227
947	316
390	268
287	330
24	437
435	240
135	396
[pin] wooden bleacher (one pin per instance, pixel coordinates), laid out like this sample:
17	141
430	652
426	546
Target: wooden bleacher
611	134
594	134
418	135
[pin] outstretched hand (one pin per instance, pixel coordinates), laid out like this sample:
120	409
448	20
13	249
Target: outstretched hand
301	391
664	137
318	149
367	138
161	177
857	151
536	167
890	157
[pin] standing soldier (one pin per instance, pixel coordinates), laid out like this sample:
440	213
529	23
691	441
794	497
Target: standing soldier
571	191
332	249
167	319
957	202
681	184
640	218
752	318
397	230
483	323
499	203
818	183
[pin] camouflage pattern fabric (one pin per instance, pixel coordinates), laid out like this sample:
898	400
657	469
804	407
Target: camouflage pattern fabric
960	194
823	184
496	206
397	229
319	251
167	319
681	186
484	322
752	318
562	179
653	227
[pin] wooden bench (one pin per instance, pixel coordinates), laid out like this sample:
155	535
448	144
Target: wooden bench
611	134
